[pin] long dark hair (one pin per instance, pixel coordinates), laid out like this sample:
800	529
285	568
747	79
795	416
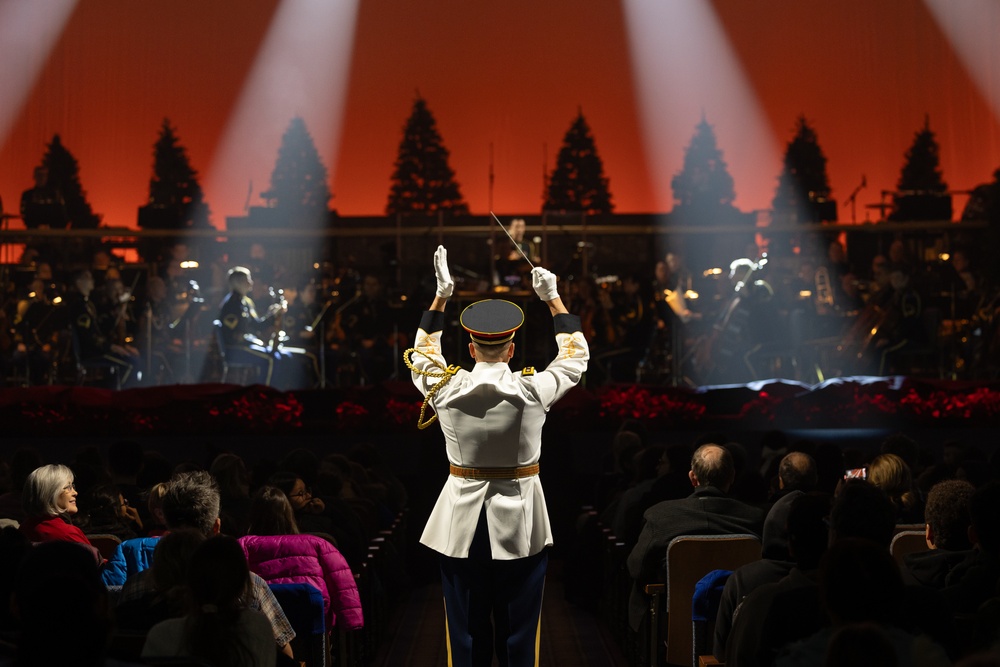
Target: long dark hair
271	513
219	580
101	512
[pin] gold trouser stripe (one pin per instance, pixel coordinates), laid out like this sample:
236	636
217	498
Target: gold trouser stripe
447	634
494	473
538	631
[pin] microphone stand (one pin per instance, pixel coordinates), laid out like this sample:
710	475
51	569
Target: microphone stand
854	195
320	321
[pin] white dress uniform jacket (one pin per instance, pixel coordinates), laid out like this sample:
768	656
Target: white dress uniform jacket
492	418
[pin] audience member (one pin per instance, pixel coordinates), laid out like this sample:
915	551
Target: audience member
974	580
860	583
192	501
154	504
947	535
807	534
892	474
707	511
648	464
233	478
611	485
49	498
106	511
220	626
14	546
776	614
61	608
168	597
281	555
125	458
797	474
313	515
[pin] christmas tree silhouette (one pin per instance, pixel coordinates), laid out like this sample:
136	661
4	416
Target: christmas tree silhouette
299	190
577	182
64	177
922	193
803	192
703	189
174	191
422	181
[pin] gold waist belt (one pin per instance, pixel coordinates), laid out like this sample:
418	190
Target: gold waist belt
494	473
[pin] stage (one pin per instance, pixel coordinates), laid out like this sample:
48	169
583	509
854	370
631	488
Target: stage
387	413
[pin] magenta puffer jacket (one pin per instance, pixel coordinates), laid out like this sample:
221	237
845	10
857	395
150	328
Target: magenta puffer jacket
307	559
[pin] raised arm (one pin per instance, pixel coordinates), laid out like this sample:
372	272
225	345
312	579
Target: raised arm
445	284
544	283
571	360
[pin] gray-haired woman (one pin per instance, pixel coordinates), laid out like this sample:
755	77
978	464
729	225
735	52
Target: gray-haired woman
49	498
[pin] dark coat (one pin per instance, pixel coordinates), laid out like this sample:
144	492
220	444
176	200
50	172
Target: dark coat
707	511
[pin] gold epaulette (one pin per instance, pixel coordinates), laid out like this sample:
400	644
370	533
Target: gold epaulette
528	370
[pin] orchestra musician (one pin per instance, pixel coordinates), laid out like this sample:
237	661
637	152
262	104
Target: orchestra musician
253	339
303	309
35	333
42	206
371	331
155	335
513	270
94	345
899	328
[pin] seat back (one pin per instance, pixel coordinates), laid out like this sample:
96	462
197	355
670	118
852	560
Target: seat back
907	542
689	558
106	543
303	605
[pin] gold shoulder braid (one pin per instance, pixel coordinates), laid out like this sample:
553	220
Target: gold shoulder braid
445	375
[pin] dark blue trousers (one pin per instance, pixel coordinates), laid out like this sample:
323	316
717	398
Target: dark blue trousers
478	588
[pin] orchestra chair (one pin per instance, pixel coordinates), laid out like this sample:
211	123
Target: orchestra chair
243	374
907	542
689	558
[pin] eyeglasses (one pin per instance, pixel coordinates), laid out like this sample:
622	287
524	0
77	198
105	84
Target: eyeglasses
301	494
70	487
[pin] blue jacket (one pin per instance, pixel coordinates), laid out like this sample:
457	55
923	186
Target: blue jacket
130	556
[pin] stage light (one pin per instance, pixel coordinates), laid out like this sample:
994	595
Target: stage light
685	69
28	32
302	69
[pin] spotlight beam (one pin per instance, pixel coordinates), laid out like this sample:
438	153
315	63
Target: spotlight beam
28	32
301	70
684	68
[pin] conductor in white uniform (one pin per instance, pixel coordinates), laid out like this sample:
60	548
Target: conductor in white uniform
490	524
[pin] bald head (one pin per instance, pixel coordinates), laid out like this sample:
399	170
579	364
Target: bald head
797	471
712	465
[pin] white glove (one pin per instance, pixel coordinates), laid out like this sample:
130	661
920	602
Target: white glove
445	285
544	282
